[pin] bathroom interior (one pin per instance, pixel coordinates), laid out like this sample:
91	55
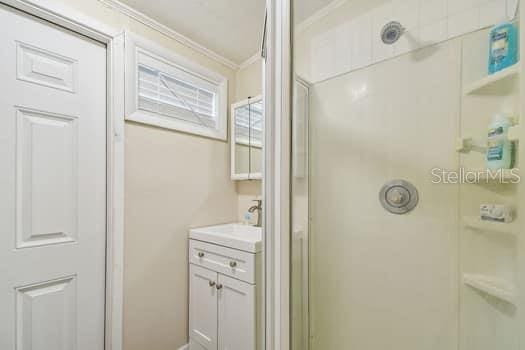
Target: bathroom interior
191	177
136	173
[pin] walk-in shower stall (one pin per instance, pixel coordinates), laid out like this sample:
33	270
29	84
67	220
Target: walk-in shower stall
401	238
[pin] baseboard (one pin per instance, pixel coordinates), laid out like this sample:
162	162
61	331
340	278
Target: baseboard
185	347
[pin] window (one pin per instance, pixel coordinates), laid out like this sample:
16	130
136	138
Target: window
169	91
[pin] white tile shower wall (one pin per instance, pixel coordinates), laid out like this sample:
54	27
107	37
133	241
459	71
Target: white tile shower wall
356	43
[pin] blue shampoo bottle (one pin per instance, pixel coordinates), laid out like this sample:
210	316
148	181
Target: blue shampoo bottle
503	47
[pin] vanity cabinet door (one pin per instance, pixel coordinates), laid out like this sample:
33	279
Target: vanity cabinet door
237	322
203	307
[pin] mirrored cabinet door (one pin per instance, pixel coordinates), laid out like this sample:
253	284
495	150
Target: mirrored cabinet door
247	139
256	139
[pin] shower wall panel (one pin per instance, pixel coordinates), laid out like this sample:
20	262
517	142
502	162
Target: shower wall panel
379	280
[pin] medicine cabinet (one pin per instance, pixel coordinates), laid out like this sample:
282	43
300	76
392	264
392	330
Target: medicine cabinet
247	122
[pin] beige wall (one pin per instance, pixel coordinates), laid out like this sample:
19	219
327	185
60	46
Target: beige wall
173	181
165	195
248	83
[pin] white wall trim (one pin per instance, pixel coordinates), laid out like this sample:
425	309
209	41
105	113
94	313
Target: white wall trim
65	16
317	16
116	173
250	61
277	168
184	40
68	18
185	347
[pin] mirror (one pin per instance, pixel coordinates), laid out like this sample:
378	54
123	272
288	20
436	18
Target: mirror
247	139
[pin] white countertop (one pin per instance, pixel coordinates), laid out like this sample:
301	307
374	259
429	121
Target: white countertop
237	236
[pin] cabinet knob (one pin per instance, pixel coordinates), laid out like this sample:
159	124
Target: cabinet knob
233	264
212	283
219	286
201	255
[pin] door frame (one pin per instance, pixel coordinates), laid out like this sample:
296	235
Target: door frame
278	86
64	16
277	170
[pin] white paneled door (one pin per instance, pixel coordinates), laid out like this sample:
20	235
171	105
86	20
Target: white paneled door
52	186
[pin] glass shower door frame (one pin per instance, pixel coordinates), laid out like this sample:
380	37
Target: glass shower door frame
279	78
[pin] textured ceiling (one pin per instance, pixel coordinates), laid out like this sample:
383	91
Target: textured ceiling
232	28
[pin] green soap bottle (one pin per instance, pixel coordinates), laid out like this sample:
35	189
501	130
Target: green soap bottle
499	148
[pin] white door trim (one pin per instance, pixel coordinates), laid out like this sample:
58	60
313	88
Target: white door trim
277	169
67	17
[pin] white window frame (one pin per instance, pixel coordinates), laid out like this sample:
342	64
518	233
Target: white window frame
136	46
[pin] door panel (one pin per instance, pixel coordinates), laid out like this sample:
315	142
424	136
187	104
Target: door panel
203	307
44	310
237	310
46	168
52	186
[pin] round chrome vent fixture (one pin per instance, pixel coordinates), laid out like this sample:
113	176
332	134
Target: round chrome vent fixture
398	197
391	32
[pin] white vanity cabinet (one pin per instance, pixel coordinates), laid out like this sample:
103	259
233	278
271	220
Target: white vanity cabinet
224	297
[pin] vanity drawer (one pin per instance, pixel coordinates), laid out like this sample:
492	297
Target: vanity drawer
229	262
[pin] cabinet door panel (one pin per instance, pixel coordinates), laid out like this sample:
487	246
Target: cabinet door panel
203	307
237	325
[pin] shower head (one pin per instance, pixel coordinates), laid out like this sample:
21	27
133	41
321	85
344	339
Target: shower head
391	32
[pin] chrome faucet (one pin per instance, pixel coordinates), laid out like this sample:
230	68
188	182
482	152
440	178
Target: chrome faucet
257	207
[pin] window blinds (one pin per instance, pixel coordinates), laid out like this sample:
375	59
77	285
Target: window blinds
172	97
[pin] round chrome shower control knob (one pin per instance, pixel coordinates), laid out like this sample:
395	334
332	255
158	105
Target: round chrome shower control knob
398	196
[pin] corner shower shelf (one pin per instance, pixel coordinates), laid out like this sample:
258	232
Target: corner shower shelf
495	287
514	133
477	224
467	144
496	83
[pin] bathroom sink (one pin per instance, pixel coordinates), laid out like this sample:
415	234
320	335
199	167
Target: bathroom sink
236	236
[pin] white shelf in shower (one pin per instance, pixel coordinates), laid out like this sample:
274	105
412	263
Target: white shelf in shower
514	133
467	144
475	223
493	286
496	83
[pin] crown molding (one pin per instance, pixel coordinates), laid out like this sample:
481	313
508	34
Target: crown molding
184	40
251	60
317	16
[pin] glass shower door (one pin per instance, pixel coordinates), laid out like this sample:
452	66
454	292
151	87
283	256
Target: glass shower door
393	110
